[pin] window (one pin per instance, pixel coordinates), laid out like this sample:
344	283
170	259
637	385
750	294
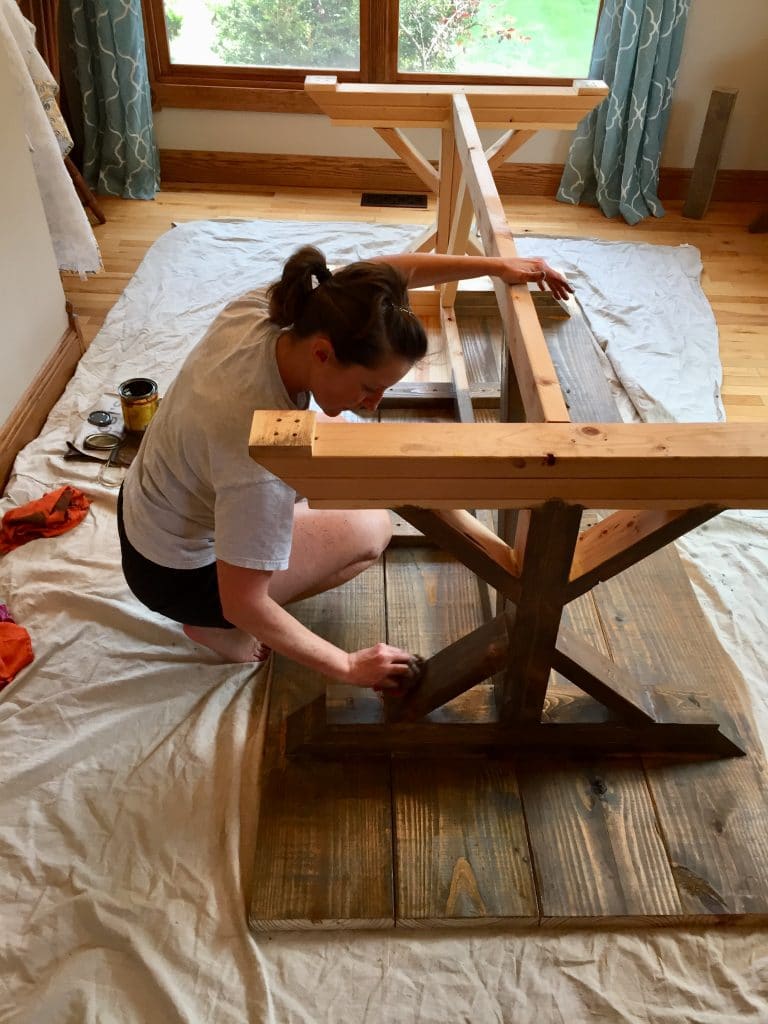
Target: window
254	54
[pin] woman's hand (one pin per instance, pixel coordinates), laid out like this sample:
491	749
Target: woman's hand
383	667
521	271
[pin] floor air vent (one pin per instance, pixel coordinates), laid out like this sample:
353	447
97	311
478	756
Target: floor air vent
415	202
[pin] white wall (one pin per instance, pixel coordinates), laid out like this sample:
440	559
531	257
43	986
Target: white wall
31	296
720	51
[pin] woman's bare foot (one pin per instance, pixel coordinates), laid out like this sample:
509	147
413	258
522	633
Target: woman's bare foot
232	644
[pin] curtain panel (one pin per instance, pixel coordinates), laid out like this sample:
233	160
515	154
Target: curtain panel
614	158
105	39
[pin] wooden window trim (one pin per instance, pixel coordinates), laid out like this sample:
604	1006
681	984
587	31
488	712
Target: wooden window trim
282	90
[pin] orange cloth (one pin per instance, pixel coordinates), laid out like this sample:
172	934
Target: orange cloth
54	513
15	650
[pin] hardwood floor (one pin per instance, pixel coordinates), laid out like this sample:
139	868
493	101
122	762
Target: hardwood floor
735	277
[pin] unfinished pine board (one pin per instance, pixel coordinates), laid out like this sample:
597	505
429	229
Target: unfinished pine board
615	465
529	107
535	373
324	843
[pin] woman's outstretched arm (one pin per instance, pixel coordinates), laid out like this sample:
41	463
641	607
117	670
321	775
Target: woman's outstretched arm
423	268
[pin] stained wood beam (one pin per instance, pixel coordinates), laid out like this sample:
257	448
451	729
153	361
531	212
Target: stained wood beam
308	734
601	678
612	545
535	373
454	670
550	536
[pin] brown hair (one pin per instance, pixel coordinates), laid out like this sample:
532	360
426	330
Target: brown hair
362	308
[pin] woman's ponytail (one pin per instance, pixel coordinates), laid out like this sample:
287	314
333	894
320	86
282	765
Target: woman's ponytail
302	273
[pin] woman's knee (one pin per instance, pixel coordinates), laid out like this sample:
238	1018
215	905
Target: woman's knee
374	529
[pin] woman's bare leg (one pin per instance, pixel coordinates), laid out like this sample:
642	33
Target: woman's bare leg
329	547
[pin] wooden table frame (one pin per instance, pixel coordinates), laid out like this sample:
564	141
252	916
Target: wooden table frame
662	479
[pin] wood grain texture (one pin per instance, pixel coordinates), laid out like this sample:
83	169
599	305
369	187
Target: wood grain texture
460	845
721	102
324	841
714	816
597	852
462	850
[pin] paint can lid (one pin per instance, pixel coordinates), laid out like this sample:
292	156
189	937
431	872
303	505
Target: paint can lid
102	442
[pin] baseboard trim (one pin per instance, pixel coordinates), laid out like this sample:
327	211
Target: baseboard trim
30	412
211	170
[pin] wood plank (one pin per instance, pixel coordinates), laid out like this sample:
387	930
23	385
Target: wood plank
714	816
460	843
436	395
461	846
324	843
598	855
580	371
592	823
721	102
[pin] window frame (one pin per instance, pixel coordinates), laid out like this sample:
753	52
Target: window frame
281	90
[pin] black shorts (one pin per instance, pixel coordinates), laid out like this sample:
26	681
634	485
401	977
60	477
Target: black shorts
189	596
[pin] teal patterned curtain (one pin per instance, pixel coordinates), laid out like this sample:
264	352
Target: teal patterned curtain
614	158
119	152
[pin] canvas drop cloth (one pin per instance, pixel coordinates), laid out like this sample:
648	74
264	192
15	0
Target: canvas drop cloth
127	773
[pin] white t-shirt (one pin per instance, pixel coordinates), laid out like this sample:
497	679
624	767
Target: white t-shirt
193	493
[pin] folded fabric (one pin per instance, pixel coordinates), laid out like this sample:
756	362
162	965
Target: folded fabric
15	650
54	513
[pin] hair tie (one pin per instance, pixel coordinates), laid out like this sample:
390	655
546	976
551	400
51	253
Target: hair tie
321	275
405	309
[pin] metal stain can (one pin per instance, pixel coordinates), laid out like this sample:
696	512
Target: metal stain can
138	397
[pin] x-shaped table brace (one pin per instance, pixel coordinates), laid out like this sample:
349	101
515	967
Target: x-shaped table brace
663	479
